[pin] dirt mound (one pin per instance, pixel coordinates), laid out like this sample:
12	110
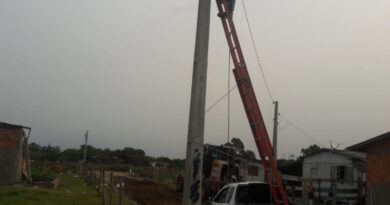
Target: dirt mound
150	193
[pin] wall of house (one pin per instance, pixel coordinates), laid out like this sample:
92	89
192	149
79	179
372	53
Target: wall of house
324	161
247	174
323	180
11	155
378	173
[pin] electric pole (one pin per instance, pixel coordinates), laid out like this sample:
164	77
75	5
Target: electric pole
85	150
275	134
192	194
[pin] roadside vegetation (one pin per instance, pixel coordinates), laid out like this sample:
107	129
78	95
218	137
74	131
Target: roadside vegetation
71	191
127	155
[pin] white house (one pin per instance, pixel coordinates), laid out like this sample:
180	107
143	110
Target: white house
251	170
335	175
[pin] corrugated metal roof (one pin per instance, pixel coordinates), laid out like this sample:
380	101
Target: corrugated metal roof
362	146
351	154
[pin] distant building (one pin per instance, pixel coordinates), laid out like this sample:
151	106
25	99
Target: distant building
378	168
251	170
217	159
13	154
334	175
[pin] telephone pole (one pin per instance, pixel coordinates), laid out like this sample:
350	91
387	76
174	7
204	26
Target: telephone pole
275	134
192	194
85	149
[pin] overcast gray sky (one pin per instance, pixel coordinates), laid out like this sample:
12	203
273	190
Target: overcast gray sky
122	69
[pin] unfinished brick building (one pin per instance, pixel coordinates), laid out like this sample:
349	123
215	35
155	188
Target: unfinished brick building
378	168
13	153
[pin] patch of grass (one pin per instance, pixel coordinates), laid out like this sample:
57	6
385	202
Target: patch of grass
72	191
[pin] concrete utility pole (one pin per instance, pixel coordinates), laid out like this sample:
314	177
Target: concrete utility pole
275	134
194	159
85	148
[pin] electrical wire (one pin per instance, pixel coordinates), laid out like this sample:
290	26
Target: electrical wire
258	62
265	82
288	122
228	102
257	54
220	99
228	114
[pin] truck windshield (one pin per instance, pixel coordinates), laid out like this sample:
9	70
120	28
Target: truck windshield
253	194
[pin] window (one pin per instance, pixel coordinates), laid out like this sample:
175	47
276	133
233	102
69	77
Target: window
253	170
221	197
314	172
253	194
342	173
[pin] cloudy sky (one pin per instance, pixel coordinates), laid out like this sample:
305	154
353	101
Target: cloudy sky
122	69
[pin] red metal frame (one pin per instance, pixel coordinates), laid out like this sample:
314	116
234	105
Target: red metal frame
251	106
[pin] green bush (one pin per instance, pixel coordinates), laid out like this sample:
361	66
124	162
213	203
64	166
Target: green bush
40	174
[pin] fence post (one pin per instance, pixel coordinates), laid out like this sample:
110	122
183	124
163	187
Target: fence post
89	182
99	182
103	199
334	193
120	190
110	190
319	191
304	192
93	176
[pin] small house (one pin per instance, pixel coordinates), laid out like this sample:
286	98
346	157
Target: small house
13	154
334	176
251	170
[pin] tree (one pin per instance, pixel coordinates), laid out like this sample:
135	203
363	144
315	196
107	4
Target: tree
44	153
163	159
238	145
239	149
248	154
310	150
71	155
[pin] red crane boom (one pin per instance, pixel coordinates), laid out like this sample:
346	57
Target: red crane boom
251	106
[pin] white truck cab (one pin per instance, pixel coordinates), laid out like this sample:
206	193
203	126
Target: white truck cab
244	193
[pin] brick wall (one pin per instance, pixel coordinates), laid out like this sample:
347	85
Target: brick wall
9	138
378	173
11	155
378	163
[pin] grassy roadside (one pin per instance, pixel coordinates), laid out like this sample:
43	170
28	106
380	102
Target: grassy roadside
72	191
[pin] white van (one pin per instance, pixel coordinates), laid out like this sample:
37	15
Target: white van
244	193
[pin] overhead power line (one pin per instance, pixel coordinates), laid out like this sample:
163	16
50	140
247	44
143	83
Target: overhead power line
258	62
220	99
289	122
265	82
257	54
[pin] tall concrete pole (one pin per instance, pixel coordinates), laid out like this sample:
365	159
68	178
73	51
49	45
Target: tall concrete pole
275	134
194	159
85	148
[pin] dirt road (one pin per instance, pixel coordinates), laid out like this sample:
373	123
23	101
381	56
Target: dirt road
150	193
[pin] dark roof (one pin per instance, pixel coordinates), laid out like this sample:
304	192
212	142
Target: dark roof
362	146
11	126
350	154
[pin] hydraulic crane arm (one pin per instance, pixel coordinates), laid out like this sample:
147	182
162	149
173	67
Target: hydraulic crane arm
251	106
